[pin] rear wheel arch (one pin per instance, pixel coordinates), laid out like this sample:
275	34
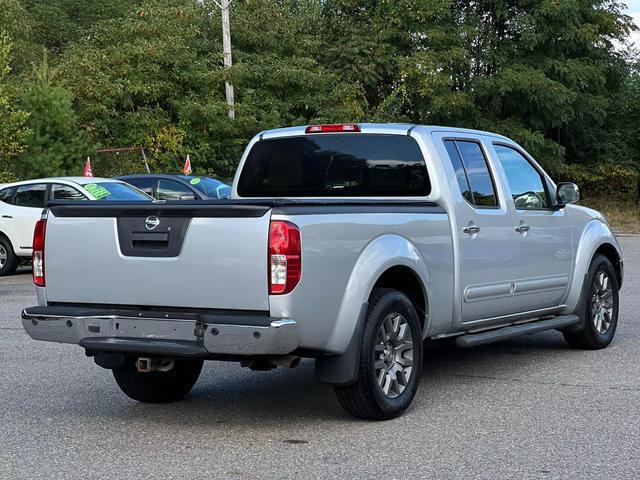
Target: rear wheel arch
7	239
10	263
390	359
388	261
342	369
389	252
407	281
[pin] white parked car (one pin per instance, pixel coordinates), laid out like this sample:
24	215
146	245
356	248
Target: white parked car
21	205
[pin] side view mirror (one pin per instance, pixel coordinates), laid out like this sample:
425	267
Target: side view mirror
187	196
567	193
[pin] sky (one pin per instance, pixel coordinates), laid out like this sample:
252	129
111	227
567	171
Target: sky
633	10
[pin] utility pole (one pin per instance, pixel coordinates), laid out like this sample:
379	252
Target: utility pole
226	50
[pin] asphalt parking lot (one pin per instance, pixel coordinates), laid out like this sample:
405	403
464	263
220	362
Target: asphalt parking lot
527	408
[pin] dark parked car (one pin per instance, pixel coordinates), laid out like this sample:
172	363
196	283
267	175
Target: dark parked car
178	187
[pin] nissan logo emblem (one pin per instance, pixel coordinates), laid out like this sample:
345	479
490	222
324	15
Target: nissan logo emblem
151	222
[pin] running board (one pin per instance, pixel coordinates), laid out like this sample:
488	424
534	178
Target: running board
512	331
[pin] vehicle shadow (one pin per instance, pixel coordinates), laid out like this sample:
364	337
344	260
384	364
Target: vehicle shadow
231	395
512	358
227	394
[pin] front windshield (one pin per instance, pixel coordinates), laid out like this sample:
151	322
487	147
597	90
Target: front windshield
211	187
115	191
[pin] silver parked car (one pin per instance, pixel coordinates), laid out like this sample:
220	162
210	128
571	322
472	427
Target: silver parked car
348	244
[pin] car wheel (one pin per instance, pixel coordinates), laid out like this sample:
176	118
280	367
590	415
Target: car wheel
598	309
8	259
158	387
390	363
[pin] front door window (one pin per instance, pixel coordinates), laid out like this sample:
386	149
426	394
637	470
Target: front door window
525	182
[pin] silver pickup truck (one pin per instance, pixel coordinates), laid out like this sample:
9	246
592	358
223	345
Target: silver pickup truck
348	244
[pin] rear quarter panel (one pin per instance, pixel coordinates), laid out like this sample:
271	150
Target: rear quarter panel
344	254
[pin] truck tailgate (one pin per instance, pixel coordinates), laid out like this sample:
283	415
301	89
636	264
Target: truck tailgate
198	256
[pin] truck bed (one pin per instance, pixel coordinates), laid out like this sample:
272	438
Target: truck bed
209	254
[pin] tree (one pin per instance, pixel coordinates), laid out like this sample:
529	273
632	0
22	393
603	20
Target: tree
13	129
58	23
149	73
154	78
16	24
544	72
57	144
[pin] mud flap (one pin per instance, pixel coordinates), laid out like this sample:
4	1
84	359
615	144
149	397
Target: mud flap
580	310
109	360
342	369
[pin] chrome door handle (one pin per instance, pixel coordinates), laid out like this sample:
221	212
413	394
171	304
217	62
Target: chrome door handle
7	216
522	228
471	230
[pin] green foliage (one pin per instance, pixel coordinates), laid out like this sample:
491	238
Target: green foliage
57	144
13	129
149	73
602	181
154	78
56	23
16	25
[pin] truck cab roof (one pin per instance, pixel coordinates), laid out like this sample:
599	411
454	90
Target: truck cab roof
379	128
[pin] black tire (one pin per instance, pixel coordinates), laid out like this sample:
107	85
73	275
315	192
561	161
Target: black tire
11	262
589	337
158	387
365	398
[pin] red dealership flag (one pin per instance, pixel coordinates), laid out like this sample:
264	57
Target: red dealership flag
187	166
87	169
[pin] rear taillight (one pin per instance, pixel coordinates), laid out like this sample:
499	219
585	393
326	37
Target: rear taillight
285	259
342	127
38	252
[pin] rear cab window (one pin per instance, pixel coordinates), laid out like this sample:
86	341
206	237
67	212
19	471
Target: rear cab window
335	165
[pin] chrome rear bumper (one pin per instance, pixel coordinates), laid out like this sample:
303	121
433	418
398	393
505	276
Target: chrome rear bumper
200	335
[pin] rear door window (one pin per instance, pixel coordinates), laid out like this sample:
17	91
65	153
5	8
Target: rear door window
461	174
32	195
171	190
65	192
335	165
476	184
6	195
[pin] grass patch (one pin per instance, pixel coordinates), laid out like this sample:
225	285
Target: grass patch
623	216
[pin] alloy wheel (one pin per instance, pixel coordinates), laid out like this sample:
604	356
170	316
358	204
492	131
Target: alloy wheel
601	302
393	355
